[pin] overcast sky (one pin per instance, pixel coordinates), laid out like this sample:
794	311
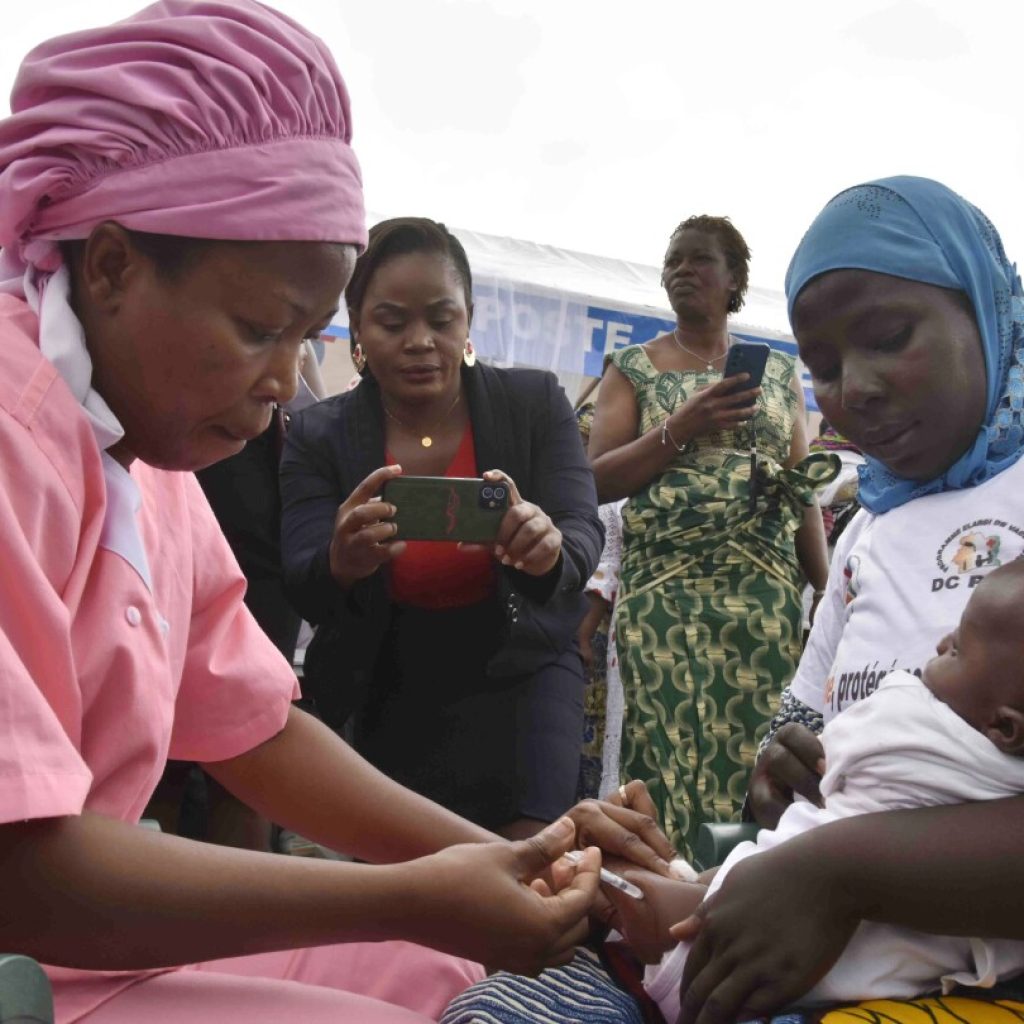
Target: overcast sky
597	125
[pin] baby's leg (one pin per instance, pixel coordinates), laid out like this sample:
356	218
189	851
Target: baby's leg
645	923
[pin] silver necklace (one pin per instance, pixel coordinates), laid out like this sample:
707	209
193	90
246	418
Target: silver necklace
425	439
697	355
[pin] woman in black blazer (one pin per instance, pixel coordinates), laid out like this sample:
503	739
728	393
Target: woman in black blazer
456	670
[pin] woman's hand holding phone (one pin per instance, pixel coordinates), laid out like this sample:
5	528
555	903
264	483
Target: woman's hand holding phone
527	539
364	535
720	406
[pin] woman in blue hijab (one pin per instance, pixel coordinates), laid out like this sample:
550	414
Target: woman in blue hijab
910	320
918	230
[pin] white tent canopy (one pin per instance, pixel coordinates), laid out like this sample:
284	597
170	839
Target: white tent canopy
538	305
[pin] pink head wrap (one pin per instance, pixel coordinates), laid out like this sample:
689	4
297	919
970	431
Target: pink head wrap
219	120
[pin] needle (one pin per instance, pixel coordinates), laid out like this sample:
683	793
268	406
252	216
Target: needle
608	877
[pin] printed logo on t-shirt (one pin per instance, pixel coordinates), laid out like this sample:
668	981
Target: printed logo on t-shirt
904	580
970	552
853	686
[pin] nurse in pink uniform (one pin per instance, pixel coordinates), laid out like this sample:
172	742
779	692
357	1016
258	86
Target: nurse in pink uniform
179	209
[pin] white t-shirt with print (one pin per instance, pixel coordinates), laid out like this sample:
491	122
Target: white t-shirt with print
899	582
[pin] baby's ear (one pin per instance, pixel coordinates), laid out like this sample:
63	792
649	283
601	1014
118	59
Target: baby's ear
1006	730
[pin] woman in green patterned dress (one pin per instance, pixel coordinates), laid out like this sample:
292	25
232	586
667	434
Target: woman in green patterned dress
709	613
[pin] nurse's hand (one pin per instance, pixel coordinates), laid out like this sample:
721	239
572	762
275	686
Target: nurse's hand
485	901
364	533
625	825
793	762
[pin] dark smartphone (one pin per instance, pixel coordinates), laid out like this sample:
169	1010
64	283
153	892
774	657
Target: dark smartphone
447	508
747	357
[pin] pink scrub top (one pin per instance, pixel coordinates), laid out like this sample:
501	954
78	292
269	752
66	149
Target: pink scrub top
123	636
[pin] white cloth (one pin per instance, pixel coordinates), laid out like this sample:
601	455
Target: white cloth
900	749
605	583
914	566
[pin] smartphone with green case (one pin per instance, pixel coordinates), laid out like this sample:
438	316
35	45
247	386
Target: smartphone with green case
465	509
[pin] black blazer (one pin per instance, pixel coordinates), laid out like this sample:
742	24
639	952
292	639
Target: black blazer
523	424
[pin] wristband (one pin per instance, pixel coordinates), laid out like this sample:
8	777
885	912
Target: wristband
666	437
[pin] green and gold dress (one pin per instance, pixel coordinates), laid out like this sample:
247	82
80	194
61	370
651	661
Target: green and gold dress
709	614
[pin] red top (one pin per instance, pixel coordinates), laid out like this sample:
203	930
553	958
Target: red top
435	573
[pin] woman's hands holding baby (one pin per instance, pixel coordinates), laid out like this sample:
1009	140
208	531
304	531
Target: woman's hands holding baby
774	929
793	762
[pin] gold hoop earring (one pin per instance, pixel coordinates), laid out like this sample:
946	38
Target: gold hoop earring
358	358
469	354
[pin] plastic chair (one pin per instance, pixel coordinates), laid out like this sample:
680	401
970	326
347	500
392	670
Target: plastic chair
25	996
715	841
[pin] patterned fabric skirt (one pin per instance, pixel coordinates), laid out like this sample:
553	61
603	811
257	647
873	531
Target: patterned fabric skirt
703	661
953	1009
585	993
581	993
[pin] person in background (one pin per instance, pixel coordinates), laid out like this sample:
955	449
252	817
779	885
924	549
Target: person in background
838	499
708	621
130	357
603	706
457	665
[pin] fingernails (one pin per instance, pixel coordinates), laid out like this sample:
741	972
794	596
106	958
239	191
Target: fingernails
562	828
519	565
683	870
820	766
499	550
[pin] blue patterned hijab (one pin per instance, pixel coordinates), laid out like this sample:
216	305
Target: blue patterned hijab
919	230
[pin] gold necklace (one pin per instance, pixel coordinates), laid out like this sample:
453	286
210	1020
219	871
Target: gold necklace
697	355
425	439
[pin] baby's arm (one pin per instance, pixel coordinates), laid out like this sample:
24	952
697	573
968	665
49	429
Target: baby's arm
645	923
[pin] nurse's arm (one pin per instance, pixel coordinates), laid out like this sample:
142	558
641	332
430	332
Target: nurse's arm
95	893
99	894
309	780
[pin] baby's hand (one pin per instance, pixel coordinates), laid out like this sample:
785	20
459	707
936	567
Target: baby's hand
645	923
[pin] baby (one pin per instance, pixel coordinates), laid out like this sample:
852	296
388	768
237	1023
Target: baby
953	736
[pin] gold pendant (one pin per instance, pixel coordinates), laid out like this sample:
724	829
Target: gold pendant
426	442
